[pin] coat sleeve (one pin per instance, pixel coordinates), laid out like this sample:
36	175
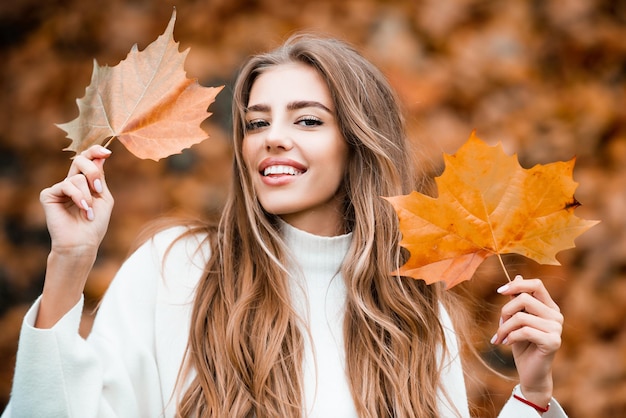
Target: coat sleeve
453	398
113	372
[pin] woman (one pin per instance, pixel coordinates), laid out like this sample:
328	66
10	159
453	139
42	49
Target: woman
286	308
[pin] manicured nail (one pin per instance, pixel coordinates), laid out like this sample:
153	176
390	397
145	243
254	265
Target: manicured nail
90	214
501	321
493	339
105	150
84	204
505	341
97	184
518	277
503	289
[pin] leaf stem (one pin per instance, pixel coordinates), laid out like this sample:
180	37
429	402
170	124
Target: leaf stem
109	142
504	268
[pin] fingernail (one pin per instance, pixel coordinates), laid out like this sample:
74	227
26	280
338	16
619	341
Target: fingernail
105	150
518	277
493	339
97	184
501	321
90	214
505	341
84	204
503	289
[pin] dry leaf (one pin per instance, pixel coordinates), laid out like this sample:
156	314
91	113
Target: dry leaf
146	101
487	204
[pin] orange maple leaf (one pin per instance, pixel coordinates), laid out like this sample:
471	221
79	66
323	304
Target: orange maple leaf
487	204
146	101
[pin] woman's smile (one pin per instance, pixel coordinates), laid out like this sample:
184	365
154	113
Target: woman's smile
279	171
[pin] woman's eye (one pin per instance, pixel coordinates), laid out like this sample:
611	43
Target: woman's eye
309	121
256	124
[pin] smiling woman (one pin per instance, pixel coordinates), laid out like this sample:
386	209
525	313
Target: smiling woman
294	150
286	307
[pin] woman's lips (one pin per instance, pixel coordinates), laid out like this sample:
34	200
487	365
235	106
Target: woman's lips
280	171
280	166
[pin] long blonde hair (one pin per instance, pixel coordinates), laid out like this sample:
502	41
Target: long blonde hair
245	346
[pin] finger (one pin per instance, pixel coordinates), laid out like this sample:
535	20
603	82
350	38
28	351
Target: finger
100	184
526	328
534	287
90	164
548	342
525	302
523	319
93	153
525	312
96	151
66	191
81	183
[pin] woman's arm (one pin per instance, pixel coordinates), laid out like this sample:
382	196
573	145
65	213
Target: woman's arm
77	213
536	364
57	372
531	323
114	372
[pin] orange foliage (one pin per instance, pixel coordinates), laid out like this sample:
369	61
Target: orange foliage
487	204
146	101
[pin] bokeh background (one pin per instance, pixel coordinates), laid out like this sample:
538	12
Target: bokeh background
547	78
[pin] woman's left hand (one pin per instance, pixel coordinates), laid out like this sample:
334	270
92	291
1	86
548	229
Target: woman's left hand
531	323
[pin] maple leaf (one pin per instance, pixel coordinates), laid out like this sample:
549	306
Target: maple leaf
487	204
146	101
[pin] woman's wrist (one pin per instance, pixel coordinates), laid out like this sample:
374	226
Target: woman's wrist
68	272
66	275
539	400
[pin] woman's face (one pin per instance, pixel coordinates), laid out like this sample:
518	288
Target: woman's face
294	150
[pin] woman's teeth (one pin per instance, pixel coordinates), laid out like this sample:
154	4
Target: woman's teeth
281	169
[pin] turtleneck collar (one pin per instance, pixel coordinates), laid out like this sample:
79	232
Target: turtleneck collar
316	253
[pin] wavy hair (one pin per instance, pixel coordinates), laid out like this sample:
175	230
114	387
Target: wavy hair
245	348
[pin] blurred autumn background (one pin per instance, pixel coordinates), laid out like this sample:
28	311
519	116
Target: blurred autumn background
545	78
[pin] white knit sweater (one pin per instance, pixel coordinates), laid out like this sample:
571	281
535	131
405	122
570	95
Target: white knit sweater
129	364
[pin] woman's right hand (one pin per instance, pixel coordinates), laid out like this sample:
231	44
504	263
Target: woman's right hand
77	212
78	208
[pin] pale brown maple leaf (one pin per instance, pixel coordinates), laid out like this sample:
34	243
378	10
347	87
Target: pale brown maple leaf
146	101
487	205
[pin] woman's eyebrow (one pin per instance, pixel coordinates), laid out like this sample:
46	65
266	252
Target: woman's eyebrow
300	104
257	108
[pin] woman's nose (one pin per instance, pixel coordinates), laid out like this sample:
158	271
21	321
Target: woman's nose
278	137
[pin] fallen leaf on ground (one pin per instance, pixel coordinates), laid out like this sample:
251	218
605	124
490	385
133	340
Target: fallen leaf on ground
487	204
146	101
